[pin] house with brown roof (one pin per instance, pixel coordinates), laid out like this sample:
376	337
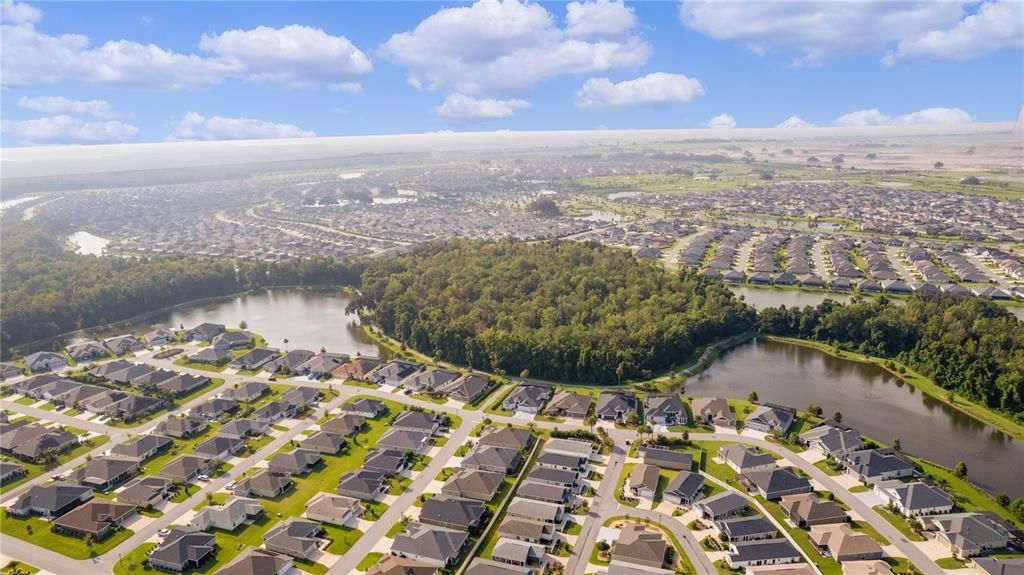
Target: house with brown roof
842	543
807	509
639	545
98	518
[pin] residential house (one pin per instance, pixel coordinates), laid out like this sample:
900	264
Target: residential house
362	484
289	362
640	545
496	459
993	566
966	534
914	499
295	462
770	418
146	492
872	465
368	408
51	500
473	484
743	459
832	440
9	371
104	473
211	355
467	388
273	412
574	447
185	427
183	550
295	537
186	469
518	553
204	332
357	369
124	344
643	481
430	544
392	565
429	380
247	392
807	509
263	483
665	410
302	396
509	437
420	421
875	567
257	561
540	511
45	361
526	530
453	512
750	528
526	398
345	424
321	365
215	408
182	384
569	404
244	428
762	552
666	458
31	441
545	492
390	462
553	476
404	440
133	407
220	447
775	482
722	505
142	447
227	516
97	518
86	351
11	472
393	372
561	461
615	406
160	336
714	412
842	543
685	488
232	340
324	442
333	509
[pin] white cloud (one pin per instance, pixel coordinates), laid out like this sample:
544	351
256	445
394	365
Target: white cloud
794	122
19	12
722	121
818	29
504	47
54	105
294	56
65	129
873	117
346	87
599	18
462	109
197	127
655	89
997	25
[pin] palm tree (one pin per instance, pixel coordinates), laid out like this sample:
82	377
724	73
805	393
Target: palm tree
286	344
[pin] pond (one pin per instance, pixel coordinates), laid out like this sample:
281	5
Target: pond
88	244
878	404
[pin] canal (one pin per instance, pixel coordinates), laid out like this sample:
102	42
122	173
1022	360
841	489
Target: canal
878	404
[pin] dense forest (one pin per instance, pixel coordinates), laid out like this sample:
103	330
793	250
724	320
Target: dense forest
967	345
47	290
564	311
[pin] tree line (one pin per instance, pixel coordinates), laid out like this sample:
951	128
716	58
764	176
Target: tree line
565	311
967	345
47	290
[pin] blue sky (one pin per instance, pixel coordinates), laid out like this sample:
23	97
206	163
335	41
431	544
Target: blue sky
143	71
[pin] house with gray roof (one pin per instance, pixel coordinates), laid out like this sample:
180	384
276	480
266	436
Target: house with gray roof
832	440
324	442
183	427
211	355
254	359
393	565
186	468
643	481
544	492
776	482
321	365
393	372
263	483
527	398
872	465
295	537
749	528
404	440
490	458
420	421
161	336
473	484
667	409
104	473
429	380
466	388
220	447
430	544
540	511
204	332
666	458
453	512
247	391
554	476
914	499
966	534
333	509
9	371
289	362
142	447
10	472
769	418
183	550
614	406
28	441
569	404
244	428
295	462
762	552
518	553
744	459
390	462
994	566
51	500
228	516
527	530
685	488
85	351
345	424
45	361
491	567
257	561
640	545
232	340
122	344
362	484
146	491
300	396
215	408
722	505
573	463
273	412
509	437
368	408
574	447
133	407
806	509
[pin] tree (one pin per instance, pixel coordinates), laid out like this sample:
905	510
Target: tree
752	398
896	444
838	416
1003	500
603	546
590	421
938	165
243	325
633	418
286	344
960	470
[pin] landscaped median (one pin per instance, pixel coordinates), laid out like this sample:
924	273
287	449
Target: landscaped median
687	563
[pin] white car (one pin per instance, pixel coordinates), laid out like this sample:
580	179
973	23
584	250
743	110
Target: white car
203	478
163	532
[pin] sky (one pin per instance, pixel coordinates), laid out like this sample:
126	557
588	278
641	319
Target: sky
95	72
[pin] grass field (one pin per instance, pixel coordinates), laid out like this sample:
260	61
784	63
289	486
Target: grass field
36	531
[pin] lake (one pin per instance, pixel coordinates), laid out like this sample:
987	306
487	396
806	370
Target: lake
878	404
88	244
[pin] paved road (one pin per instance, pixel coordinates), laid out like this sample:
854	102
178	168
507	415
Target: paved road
701	562
58	417
347	564
604	506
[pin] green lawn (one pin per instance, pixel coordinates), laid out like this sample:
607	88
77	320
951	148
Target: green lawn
342	538
20	567
870	531
25	401
951	563
573	528
495	406
36	531
363	384
430	398
32	470
444	474
826	466
627	470
48	406
371	559
72	412
595	559
899	522
965	494
397	528
184	362
132	563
